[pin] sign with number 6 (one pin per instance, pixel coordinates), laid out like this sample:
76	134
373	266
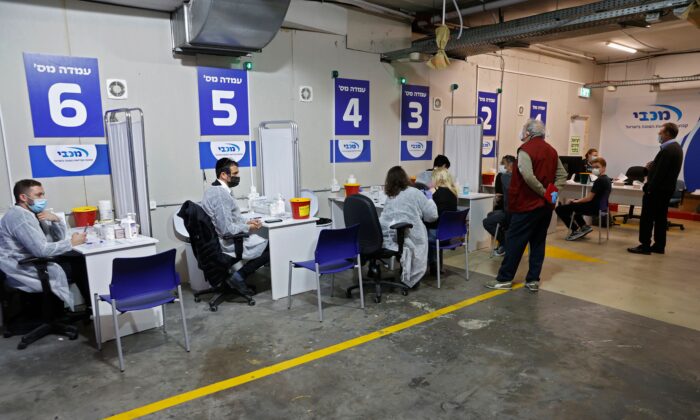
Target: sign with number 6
64	95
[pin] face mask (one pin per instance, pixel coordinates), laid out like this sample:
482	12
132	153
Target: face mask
660	140
233	183
502	169
523	136
38	206
596	171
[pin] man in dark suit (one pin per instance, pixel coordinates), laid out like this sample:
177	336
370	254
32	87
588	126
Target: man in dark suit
660	186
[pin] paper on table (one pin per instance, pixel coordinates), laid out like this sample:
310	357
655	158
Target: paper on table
621	178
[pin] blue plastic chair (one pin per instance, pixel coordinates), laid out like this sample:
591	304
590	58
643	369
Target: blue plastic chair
452	234
337	250
141	283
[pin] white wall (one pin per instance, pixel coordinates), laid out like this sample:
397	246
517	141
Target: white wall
624	146
135	45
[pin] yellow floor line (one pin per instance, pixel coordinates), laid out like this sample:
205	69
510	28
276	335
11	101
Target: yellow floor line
306	358
565	254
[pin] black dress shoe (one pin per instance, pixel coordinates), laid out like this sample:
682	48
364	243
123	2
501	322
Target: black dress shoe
641	249
657	250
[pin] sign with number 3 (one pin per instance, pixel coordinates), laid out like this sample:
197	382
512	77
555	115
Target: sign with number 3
64	95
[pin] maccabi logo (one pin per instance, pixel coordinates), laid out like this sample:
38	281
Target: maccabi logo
353	145
229	148
417	146
665	113
73	152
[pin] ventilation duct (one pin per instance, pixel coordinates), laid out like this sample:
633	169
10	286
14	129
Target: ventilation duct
225	27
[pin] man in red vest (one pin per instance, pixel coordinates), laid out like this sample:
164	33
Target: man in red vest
538	168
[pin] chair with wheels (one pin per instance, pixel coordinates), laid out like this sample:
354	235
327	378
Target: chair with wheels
141	283
52	319
603	211
634	173
676	201
360	210
452	233
337	250
216	265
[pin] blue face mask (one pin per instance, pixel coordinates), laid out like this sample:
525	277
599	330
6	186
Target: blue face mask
38	206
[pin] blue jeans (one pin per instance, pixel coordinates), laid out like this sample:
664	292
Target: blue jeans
525	228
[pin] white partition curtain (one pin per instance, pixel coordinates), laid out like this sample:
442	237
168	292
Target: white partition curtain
279	159
463	144
127	160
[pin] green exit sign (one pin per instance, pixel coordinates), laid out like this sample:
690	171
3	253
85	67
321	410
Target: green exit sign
584	92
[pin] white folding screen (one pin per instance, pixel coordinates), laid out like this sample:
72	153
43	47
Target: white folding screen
279	159
127	160
463	143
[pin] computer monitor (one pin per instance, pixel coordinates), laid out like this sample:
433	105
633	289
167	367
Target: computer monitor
573	164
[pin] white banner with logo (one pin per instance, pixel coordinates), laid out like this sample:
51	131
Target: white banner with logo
69	160
631	124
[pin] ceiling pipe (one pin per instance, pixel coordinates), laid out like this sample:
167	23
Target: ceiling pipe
561	51
476	9
362	4
653	81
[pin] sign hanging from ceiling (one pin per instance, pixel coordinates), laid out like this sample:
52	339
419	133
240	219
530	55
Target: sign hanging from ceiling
64	95
415	107
351	107
239	151
69	160
538	111
223	101
488	112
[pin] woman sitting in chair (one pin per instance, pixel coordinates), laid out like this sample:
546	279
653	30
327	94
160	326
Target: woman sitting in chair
406	204
445	198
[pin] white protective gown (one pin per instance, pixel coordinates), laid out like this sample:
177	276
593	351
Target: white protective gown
22	235
223	209
410	206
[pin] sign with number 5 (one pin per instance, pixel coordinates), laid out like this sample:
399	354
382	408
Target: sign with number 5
223	101
64	95
415	104
351	107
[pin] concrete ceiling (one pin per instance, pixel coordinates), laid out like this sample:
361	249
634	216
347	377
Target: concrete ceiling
659	38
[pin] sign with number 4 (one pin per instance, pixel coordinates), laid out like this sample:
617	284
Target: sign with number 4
64	95
351	107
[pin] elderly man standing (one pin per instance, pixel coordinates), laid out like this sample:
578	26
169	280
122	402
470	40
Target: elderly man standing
538	167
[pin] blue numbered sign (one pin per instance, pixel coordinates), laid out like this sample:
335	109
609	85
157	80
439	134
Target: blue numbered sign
64	95
351	107
414	110
488	112
223	101
538	111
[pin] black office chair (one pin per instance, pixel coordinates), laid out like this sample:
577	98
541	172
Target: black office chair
51	318
676	201
360	210
634	173
216	265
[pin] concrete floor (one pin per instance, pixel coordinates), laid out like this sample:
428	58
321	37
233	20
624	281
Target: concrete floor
518	355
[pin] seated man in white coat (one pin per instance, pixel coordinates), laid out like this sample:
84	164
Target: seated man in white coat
221	206
28	230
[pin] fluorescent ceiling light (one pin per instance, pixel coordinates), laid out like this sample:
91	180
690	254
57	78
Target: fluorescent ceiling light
621	47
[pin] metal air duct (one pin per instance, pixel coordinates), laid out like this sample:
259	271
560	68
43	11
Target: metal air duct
653	81
226	27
